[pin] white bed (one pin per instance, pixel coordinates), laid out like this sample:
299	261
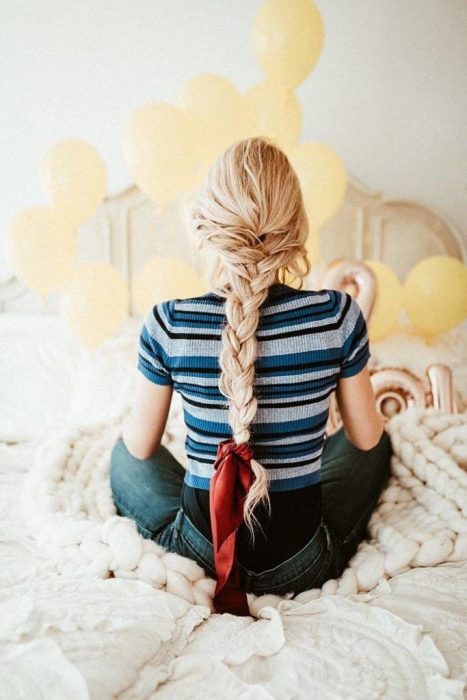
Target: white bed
67	631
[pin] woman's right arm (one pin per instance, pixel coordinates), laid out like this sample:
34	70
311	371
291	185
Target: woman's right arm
363	424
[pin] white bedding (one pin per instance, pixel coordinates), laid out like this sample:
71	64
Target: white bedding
69	636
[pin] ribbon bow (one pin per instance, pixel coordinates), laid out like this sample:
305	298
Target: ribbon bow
229	485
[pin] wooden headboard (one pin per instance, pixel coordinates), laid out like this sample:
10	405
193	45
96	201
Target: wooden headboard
127	230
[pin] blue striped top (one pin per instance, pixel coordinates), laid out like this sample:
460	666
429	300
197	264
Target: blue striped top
307	339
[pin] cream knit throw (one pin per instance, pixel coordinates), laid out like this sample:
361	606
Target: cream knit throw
420	519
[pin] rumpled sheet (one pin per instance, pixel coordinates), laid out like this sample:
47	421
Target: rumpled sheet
77	637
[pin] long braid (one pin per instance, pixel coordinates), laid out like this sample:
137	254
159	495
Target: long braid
237	362
252	217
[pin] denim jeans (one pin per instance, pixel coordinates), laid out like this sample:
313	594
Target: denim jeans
149	492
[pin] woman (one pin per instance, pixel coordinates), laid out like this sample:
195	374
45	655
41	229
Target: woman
268	503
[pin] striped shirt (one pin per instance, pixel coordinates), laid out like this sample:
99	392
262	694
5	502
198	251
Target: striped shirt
307	339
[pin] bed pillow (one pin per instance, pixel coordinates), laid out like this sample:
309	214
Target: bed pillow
46	377
37	363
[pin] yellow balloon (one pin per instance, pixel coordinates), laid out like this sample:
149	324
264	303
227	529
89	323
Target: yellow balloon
435	294
161	144
41	247
164	278
94	303
278	113
323	180
223	112
74	178
312	246
388	302
288	37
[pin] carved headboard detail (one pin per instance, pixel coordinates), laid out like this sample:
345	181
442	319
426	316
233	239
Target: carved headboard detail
127	230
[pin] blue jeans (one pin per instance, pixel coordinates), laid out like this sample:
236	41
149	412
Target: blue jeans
149	492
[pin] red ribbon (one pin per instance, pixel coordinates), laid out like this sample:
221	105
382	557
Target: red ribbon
229	485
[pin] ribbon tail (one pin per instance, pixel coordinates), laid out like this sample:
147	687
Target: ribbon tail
226	516
228	596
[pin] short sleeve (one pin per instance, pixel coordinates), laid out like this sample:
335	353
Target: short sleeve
355	343
153	346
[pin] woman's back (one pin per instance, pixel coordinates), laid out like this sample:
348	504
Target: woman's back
307	340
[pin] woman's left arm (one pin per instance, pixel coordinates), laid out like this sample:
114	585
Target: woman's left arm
144	427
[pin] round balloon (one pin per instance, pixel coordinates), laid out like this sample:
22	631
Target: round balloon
74	178
323	180
388	301
435	294
94	303
164	278
161	146
224	114
288	37
312	245
41	247
277	111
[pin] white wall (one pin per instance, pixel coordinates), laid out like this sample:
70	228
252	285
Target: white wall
389	92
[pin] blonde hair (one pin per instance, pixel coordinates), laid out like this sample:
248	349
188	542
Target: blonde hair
249	214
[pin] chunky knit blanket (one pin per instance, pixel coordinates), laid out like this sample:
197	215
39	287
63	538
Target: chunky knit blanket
420	519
